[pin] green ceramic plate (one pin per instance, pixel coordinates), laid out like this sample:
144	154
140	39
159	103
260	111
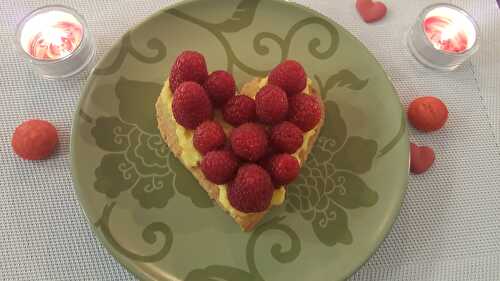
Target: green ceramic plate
150	212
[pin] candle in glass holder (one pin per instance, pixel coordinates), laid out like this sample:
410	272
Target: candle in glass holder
443	37
55	40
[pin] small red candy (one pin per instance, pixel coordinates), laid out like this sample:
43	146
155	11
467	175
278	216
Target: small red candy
427	114
34	139
371	11
421	158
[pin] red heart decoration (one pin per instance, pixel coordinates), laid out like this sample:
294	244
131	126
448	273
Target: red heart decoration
371	11
422	158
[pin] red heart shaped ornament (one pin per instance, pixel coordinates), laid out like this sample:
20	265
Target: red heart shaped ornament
371	11
422	158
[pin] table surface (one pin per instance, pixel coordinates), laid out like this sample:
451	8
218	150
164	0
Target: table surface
448	228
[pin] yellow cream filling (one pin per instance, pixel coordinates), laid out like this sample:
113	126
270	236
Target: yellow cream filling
191	157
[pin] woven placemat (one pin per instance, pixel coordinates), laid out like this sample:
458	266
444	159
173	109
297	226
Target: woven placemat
448	228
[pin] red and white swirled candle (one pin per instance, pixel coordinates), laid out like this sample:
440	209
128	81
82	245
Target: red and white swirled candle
56	41
449	31
444	35
51	35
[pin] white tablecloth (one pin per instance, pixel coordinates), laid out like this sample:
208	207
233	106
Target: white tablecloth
449	227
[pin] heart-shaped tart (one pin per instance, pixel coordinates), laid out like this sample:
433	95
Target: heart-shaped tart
243	148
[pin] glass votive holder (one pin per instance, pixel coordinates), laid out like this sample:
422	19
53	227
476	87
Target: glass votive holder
443	37
55	41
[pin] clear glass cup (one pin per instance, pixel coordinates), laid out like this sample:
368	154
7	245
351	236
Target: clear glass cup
66	65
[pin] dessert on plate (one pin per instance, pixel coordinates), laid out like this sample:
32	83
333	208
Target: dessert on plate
243	147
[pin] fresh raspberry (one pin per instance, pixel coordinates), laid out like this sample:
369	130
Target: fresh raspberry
286	137
249	141
208	136
289	76
188	66
252	189
34	139
220	87
304	111
270	151
427	114
238	110
219	166
271	105
284	168
264	160
191	105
